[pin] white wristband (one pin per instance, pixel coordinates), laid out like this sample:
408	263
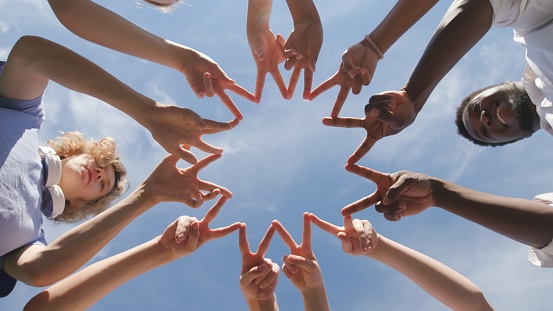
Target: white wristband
375	48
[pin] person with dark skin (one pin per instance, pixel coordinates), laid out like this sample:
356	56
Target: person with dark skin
406	193
464	24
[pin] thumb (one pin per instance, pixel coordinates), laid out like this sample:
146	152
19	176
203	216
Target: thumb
259	51
186	155
193	237
347	64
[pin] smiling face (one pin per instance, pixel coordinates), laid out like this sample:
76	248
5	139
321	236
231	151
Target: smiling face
83	179
497	115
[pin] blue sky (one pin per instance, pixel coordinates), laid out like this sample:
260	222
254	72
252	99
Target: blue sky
281	161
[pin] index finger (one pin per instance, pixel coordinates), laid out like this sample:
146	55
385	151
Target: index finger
214	210
307	82
224	231
360	204
243	240
265	241
229	103
362	150
202	163
286	237
368	173
340	100
279	80
344	122
294	78
324	225
323	87
239	90
306	236
259	84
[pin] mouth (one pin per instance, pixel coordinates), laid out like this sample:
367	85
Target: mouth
498	115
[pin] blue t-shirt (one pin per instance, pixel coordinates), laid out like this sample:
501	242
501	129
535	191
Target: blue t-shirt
21	175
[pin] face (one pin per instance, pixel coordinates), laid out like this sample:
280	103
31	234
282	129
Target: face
83	179
499	114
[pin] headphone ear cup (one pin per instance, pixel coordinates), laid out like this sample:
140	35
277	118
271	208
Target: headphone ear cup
53	201
53	172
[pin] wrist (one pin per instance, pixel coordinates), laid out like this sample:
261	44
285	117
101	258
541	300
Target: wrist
263	304
439	189
371	44
143	195
316	299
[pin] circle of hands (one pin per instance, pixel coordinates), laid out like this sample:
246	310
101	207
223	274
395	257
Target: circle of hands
177	130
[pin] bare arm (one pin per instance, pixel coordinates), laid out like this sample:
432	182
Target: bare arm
74	248
101	26
526	221
267	49
464	24
402	17
406	193
34	61
443	283
81	290
359	238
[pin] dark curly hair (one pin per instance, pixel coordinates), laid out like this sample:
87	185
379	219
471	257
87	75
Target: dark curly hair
462	130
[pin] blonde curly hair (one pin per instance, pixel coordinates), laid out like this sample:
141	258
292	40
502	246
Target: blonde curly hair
104	153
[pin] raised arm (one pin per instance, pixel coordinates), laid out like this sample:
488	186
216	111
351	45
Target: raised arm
73	249
81	290
259	275
359	60
359	238
405	193
464	24
304	44
34	61
302	268
267	49
101	26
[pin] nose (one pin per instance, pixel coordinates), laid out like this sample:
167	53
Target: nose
99	174
485	119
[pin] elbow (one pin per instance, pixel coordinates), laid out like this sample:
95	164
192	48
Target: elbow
38	302
68	13
25	49
36	275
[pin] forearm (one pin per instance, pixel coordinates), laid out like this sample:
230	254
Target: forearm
402	16
315	299
94	23
73	249
440	281
259	15
525	221
303	11
464	24
88	286
263	305
67	68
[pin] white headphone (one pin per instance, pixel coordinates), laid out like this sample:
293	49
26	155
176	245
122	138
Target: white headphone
53	200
